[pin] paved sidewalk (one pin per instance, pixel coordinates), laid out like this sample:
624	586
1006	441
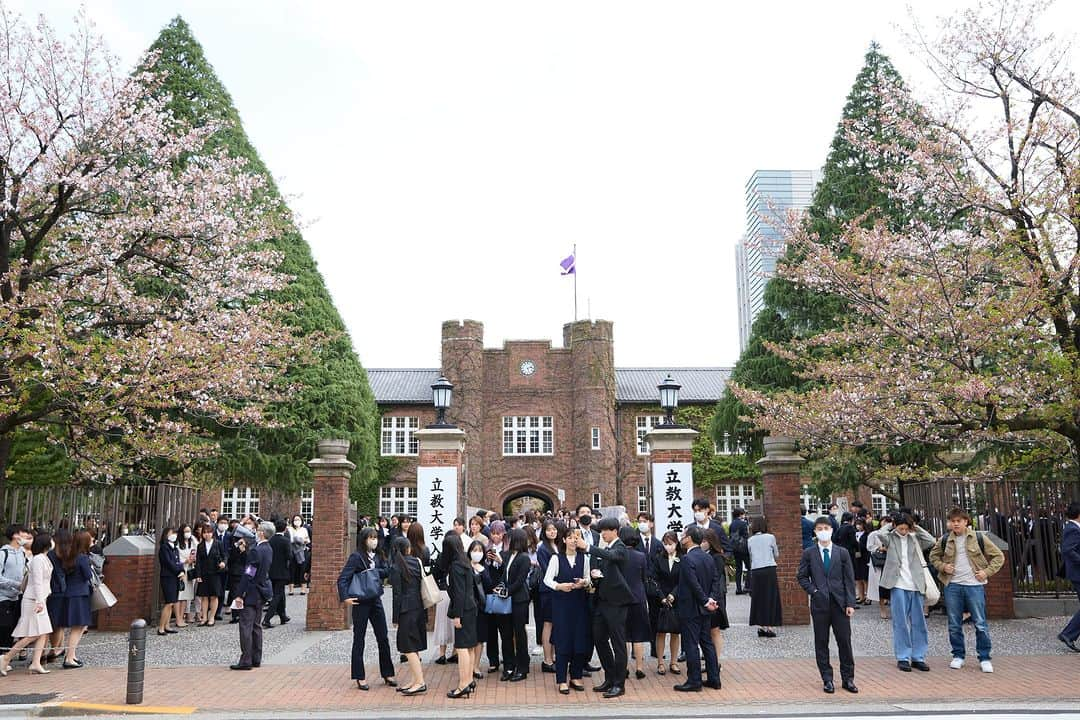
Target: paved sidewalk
773	682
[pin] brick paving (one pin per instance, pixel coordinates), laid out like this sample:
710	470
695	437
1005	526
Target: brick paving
775	681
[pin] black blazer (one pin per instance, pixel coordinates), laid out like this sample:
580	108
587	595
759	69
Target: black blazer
635	572
736	530
845	538
466	591
697	583
1070	551
206	564
612	588
358	562
282	552
668	580
515	575
656	547
838	587
169	559
255	585
406	585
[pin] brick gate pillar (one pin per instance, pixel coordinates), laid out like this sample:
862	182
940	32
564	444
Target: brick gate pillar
671	474
780	504
329	550
438	486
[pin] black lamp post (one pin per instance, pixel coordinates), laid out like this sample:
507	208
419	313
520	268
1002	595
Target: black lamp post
669	398
441	392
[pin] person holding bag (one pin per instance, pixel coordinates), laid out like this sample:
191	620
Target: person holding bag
360	586
515	640
34	625
409	615
466	591
14	560
908	580
171	574
666	572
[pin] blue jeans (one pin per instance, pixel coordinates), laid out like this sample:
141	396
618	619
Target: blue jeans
971	598
908	625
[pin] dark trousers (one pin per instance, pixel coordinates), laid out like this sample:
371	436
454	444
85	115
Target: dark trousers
1072	630
504	626
493	639
742	564
223	578
840	624
362	613
654	615
251	635
609	635
277	604
519	618
696	642
575	661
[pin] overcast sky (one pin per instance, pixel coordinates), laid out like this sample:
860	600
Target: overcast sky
447	155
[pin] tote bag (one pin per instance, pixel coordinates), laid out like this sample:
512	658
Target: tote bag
498	601
429	589
365	585
667	621
101	597
932	592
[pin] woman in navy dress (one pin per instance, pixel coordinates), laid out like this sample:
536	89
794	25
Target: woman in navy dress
369	556
169	574
551	534
54	605
76	609
567	575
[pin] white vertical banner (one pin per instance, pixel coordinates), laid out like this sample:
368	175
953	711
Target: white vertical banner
673	495
436	504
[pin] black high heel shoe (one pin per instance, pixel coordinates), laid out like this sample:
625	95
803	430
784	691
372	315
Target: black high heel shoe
416	691
471	686
460	692
361	685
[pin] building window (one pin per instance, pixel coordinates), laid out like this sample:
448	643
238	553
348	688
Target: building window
397	500
644	424
528	435
307	504
596	438
729	497
596	501
399	436
237	502
642	498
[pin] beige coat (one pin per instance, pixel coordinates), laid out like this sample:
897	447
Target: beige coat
991	562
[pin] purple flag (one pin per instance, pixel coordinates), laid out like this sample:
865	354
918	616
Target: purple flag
568	266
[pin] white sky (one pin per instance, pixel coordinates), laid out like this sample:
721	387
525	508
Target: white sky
447	155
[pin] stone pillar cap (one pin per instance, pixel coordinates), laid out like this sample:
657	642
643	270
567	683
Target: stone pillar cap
441	438
332	454
780	455
666	437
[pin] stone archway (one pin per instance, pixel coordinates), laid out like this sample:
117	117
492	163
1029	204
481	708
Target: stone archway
526	496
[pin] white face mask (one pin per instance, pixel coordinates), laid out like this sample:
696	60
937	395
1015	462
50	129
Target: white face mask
297	523
824	535
886	526
23	542
187	534
670	549
372	543
222	527
699	516
172	538
644	528
476	555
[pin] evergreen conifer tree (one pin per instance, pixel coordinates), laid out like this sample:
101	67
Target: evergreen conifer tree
328	394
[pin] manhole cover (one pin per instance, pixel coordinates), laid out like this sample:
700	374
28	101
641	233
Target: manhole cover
30	699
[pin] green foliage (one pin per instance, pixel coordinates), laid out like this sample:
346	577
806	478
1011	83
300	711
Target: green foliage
327	393
35	460
849	190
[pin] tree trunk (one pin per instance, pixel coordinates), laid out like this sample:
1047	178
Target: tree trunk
6	441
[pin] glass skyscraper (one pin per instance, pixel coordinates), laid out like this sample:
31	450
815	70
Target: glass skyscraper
769	195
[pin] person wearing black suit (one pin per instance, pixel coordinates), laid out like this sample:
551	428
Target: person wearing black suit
665	570
613	597
466	590
650	546
695	601
703	519
739	532
585	520
209	562
1070	556
827	576
369	556
410	556
515	641
253	591
638	629
280	573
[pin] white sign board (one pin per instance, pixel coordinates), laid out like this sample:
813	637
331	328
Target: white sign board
673	495
436	504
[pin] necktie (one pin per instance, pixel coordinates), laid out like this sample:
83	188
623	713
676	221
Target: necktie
826	562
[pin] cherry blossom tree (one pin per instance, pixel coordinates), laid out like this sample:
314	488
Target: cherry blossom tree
133	268
965	326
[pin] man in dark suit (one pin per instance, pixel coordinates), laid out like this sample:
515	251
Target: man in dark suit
695	601
613	596
281	548
584	520
1070	555
828	577
807	529
651	547
254	589
739	531
703	518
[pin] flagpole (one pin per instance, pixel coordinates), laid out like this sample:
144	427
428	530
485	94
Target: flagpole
575	282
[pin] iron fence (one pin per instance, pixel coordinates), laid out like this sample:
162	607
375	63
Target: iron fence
1028	515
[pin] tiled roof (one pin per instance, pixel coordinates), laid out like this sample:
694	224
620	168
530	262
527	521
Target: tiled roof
402	386
632	385
699	384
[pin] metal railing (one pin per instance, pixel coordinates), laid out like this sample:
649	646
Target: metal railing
1028	515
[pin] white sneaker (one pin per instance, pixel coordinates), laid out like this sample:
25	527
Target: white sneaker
986	666
957	663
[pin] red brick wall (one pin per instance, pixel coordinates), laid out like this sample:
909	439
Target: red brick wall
131	580
329	552
781	508
999	593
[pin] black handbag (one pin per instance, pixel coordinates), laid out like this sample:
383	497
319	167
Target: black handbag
9	613
366	585
877	558
667	621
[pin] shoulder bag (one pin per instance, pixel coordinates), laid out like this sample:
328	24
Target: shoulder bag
429	590
101	597
933	594
498	602
366	585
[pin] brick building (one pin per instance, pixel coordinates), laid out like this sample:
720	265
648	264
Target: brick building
541	422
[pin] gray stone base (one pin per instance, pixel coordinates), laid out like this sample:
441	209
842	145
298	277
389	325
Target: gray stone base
1044	607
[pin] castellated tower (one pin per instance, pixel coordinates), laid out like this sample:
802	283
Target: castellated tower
591	345
463	365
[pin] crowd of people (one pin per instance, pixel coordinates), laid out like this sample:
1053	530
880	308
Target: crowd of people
615	588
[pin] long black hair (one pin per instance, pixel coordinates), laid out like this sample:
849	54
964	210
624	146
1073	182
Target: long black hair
453	550
362	538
